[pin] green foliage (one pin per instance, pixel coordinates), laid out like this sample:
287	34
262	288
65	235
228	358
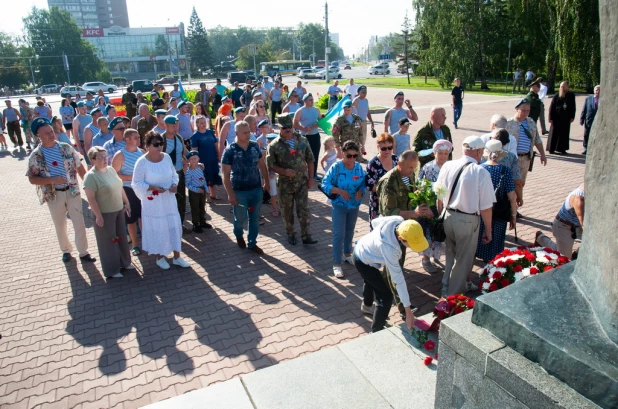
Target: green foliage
52	33
323	101
420	336
14	70
198	45
104	76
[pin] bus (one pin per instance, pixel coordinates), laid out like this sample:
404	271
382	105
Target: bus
284	67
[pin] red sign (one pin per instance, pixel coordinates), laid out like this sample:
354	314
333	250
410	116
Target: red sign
172	30
92	32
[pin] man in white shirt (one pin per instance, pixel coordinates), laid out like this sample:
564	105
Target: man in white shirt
473	195
351	89
499	121
542	94
383	248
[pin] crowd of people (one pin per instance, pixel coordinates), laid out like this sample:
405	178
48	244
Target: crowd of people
137	170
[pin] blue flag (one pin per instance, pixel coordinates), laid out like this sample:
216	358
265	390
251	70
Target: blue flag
329	119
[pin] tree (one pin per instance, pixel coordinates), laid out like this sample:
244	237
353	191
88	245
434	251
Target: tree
54	33
161	47
198	46
403	45
14	67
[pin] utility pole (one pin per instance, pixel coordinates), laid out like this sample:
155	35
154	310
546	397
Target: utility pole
508	66
300	45
177	59
65	61
326	42
32	72
169	48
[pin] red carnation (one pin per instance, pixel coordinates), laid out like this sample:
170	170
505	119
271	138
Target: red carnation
517	269
521	247
458	310
322	116
293	151
533	270
497	275
115	240
530	257
547	268
548	250
436	356
149	197
505	282
462	297
429	345
493	287
355	177
470	304
509	262
547	257
428	361
563	260
441	315
201	179
364	153
251	208
54	163
500	264
450	297
155	192
452	303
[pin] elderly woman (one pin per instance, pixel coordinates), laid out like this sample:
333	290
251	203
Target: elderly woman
376	168
346	179
124	164
504	185
155	181
441	151
109	203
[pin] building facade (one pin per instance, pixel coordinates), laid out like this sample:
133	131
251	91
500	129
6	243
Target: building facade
95	13
140	53
334	37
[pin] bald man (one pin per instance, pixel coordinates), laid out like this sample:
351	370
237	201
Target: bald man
430	133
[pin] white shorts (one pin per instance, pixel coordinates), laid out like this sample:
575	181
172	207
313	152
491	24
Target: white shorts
273	186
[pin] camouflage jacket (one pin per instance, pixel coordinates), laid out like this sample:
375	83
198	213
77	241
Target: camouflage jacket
345	131
393	193
425	138
280	154
535	105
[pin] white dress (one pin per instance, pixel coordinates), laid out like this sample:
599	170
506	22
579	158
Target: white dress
161	226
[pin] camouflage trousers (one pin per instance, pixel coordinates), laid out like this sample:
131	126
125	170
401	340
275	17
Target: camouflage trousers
31	139
288	195
389	281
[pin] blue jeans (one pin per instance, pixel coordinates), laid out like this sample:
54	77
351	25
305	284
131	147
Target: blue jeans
344	221
247	199
457	112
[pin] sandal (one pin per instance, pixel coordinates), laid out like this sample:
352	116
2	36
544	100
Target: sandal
276	213
136	251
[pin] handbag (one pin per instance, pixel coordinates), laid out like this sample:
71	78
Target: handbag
373	133
501	211
332	196
437	232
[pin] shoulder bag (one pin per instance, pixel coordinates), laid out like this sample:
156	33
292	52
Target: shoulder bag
437	231
502	207
321	186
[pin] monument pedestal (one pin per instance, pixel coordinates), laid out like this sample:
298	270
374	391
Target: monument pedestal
477	370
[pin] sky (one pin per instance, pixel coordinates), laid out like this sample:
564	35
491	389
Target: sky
354	20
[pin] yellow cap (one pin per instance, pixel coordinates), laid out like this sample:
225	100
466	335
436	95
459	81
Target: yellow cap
412	233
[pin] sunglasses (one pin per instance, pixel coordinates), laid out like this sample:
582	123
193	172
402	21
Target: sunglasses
157	144
120	129
349	155
386	148
286	127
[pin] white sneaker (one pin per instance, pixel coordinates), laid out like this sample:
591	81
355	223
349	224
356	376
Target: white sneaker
117	275
348	259
338	271
428	266
437	253
367	310
180	262
162	262
130	267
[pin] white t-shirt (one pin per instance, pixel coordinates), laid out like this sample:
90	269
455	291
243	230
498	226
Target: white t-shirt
351	89
542	92
474	191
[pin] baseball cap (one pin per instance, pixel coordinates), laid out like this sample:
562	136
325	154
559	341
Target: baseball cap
412	232
473	142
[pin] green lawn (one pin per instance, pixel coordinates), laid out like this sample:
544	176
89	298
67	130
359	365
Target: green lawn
431	85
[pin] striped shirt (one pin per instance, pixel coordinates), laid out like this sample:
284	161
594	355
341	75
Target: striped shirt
290	142
100	138
567	213
523	144
406	180
112	147
195	180
94	129
129	164
55	163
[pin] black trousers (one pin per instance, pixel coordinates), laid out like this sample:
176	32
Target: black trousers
274	110
383	294
314	143
586	136
14	130
198	208
181	195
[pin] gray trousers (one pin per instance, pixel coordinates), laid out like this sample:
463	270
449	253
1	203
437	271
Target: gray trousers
113	254
462	235
563	233
542	118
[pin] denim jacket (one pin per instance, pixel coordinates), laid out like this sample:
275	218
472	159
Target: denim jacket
349	180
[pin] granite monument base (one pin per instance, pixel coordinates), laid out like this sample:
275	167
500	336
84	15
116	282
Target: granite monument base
477	370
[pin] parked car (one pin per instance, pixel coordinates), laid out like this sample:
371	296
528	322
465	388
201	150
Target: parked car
47	89
72	90
239	76
378	70
167	80
95	86
402	69
307	73
142	85
347	67
384	64
332	73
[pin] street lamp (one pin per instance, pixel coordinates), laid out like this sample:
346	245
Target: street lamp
31	70
313	48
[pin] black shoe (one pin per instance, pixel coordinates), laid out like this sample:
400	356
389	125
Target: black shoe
197	229
88	258
585	151
257	250
317	178
66	257
292	240
241	242
552	152
205	225
545	132
413	309
309	240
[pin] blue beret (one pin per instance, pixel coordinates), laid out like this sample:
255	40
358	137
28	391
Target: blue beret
95	110
81	104
192	153
225	98
398	93
170	119
112	124
271	136
347	104
182	103
240	109
522	102
37	123
263	122
108	107
292	93
307	96
154	93
160	112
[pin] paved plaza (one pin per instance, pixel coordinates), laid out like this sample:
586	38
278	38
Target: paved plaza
71	340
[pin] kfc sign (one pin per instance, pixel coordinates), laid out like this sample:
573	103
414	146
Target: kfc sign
172	30
92	32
